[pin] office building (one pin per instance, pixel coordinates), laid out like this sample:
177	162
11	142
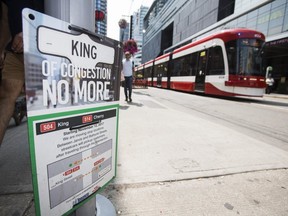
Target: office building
101	25
124	33
137	32
183	21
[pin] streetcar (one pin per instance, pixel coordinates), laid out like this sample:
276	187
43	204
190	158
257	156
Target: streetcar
226	63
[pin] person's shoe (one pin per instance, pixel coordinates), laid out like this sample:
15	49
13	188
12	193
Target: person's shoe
126	99
130	99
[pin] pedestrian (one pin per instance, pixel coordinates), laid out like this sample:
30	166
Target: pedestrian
13	68
127	65
269	83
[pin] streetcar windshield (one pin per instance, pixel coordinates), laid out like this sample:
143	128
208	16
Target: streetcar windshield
244	57
249	57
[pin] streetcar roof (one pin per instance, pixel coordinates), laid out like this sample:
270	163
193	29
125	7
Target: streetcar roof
139	67
151	61
148	64
225	35
162	58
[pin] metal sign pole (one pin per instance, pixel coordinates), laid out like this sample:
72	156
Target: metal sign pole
80	13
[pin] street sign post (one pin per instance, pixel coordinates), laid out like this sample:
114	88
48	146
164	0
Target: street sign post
73	121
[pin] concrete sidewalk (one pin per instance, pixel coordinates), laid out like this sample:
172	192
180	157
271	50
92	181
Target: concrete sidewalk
165	144
262	193
168	165
276	96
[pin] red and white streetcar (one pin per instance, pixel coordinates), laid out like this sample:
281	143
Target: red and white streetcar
226	63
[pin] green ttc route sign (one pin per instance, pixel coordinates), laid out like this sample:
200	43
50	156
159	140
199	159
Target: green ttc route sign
74	77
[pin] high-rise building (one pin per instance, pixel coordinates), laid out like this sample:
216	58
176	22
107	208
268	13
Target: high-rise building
101	25
137	31
153	11
124	33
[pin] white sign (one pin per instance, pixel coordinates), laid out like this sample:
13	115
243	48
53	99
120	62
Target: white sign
73	121
83	51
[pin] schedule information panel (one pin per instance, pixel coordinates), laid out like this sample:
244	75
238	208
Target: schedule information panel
73	121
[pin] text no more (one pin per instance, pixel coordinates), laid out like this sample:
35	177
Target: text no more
57	91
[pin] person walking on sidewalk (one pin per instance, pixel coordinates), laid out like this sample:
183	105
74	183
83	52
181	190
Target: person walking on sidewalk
127	65
270	83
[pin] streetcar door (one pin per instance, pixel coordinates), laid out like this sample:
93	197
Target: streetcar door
159	80
201	71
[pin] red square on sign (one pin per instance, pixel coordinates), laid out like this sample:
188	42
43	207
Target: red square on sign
76	168
49	126
87	118
68	172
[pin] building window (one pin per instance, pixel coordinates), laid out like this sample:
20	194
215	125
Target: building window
226	8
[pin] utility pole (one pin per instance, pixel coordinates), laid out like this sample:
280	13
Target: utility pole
131	26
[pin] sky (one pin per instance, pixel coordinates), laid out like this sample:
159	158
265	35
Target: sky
121	9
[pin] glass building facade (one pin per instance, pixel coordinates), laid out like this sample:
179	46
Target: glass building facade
101	25
137	32
180	22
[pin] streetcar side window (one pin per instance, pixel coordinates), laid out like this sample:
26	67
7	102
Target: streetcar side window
231	50
215	61
193	63
177	67
139	73
161	70
181	67
185	66
148	72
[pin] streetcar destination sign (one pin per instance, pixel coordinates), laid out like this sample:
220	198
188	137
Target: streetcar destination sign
73	120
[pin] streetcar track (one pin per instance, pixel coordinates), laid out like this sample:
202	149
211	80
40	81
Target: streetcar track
281	136
123	186
248	125
269	106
